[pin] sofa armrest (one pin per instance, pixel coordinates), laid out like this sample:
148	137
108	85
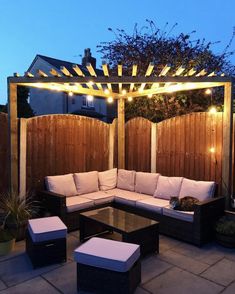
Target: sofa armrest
205	216
54	203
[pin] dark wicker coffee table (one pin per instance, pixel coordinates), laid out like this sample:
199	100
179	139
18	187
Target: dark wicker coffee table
132	228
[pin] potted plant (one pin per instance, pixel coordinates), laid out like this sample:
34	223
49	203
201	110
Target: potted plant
225	232
18	210
7	239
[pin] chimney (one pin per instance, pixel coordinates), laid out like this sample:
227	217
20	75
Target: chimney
88	58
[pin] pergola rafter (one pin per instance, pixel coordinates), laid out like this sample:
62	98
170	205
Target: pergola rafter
121	87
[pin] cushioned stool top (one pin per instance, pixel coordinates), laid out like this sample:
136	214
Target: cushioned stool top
107	254
47	228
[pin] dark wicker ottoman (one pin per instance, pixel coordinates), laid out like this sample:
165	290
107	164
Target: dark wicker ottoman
46	241
107	266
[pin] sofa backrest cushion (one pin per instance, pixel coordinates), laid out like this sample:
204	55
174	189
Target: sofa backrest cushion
201	190
146	183
62	184
86	182
126	179
108	179
167	187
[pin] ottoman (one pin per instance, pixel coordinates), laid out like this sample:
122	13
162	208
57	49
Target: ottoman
107	266
46	241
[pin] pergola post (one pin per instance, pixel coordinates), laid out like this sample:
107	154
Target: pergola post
13	137
121	133
227	142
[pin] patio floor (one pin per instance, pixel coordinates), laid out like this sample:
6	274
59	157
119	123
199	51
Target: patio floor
179	268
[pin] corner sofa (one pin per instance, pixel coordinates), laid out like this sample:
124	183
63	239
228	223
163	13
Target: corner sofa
146	194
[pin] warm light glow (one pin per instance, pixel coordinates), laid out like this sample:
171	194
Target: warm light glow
89	98
123	92
150	95
129	99
208	91
38	85
55	87
106	91
91	83
140	90
212	150
110	99
70	94
212	109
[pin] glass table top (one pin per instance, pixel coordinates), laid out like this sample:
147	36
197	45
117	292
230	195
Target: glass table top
120	219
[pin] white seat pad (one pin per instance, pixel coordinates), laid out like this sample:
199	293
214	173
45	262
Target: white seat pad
153	204
182	215
77	203
107	254
47	228
99	197
128	197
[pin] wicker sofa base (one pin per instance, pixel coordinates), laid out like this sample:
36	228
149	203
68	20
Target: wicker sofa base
46	252
104	281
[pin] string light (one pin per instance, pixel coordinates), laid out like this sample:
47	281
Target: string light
129	99
106	91
212	110
150	95
110	100
212	150
70	93
123	92
90	98
208	91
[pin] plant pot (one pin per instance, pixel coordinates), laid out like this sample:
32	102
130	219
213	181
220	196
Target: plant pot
225	240
6	247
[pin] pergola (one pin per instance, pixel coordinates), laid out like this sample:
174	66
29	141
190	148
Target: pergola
122	87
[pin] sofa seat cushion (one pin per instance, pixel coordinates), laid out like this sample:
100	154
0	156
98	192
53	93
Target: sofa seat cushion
182	215
62	184
126	179
108	179
108	254
167	187
99	197
201	190
152	204
128	197
86	182
146	182
78	202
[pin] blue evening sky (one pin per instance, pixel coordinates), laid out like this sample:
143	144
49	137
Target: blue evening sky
62	29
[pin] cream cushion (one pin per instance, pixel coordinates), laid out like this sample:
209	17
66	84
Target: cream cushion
201	190
127	197
146	182
152	204
63	184
86	182
108	179
78	202
167	187
99	197
182	215
126	179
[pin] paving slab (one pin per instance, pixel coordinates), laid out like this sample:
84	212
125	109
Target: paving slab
209	253
178	281
72	244
230	289
151	267
64	278
19	249
166	243
36	286
184	262
140	290
19	269
2	285
223	272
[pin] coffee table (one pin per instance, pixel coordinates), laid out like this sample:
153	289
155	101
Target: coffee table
132	227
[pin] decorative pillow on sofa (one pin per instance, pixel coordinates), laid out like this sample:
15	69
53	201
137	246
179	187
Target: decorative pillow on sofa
126	179
201	190
108	179
86	182
168	187
63	184
146	183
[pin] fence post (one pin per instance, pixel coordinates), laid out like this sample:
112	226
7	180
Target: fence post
153	147
23	150
111	143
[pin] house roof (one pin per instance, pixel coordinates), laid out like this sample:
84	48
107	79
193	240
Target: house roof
58	63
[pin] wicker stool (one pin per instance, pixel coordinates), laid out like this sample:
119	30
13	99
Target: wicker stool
107	266
46	241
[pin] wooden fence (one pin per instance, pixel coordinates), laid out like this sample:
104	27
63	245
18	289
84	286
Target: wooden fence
59	144
3	153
